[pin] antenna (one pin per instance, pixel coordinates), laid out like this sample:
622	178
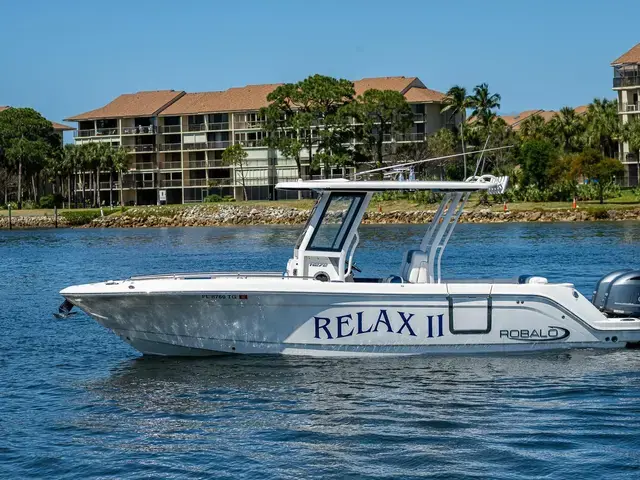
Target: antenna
426	160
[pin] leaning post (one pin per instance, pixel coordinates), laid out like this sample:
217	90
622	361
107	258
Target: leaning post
55	216
9	216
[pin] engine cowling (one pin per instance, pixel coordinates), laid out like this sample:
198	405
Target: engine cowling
618	294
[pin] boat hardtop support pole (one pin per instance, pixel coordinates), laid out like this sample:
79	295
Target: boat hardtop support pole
452	226
440	233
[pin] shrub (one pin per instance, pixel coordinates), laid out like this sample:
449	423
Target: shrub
50	201
29	205
80	217
213	198
228	198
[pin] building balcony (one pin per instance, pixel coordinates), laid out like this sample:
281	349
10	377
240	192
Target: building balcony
140	130
204	164
218	145
138	184
170	147
251	143
195	182
631	81
84	133
195	146
170	165
218	126
418	117
170	128
220	182
410	137
146	148
143	166
207	145
197	127
170	183
108	131
250	125
630	108
109	185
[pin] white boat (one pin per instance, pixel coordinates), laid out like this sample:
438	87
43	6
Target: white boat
319	306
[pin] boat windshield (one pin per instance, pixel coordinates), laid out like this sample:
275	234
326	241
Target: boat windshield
336	222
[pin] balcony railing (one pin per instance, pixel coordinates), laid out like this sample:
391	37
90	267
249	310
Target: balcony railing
170	183
631	81
105	185
84	133
196	164
141	148
138	184
139	130
218	126
248	125
195	146
218	144
195	182
107	131
220	182
251	143
143	166
410	137
630	107
170	147
170	128
418	117
170	165
197	127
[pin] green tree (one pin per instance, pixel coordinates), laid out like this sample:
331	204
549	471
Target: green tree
484	103
457	102
568	129
603	126
27	139
303	110
533	128
380	114
595	167
234	155
536	159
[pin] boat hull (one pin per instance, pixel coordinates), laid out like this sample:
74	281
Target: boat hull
448	320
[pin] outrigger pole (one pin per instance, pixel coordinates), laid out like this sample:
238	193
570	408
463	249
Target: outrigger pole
389	167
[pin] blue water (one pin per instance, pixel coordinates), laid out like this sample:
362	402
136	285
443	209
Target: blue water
75	402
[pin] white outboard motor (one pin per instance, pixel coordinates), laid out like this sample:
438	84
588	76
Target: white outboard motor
618	294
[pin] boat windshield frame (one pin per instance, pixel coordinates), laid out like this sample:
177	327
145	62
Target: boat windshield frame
344	227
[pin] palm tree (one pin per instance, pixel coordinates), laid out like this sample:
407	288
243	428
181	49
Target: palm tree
602	125
457	102
120	162
71	163
568	128
483	104
533	128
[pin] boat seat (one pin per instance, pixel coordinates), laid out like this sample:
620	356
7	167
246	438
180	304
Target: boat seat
415	266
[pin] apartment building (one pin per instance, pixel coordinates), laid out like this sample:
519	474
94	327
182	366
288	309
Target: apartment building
177	139
626	82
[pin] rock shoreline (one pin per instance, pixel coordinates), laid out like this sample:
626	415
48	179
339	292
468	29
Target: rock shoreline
204	216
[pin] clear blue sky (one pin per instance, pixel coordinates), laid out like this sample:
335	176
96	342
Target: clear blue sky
63	58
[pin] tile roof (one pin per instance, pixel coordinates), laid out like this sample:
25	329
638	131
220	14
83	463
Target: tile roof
417	94
60	127
632	56
515	121
140	104
400	84
251	97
